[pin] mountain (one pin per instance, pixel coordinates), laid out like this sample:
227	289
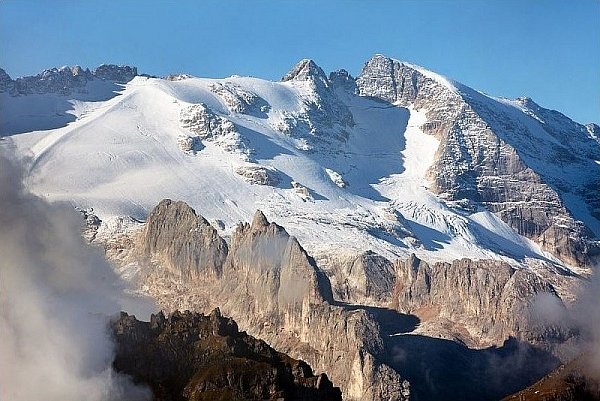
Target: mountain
189	356
425	222
399	160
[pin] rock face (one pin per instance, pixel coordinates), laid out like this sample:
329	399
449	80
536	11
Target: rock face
189	356
487	301
366	279
488	157
186	243
6	82
65	80
201	121
239	100
272	287
325	118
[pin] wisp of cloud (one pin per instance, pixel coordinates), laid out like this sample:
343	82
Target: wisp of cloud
56	296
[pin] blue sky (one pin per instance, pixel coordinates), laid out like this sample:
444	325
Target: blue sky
548	50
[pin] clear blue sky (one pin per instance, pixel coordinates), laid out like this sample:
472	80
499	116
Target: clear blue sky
548	50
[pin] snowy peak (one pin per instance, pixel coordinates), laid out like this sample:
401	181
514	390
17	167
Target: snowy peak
313	151
307	70
393	80
502	155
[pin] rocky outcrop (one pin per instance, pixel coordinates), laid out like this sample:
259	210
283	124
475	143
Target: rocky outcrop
189	356
275	291
489	157
325	117
115	73
6	82
65	80
206	125
365	279
484	302
239	100
260	175
184	243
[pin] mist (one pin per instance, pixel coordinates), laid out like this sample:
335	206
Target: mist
581	319
56	297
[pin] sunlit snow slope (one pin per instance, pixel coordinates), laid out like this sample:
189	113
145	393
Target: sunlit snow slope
347	186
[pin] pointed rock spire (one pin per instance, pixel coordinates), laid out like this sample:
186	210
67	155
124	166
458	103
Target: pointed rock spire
306	70
259	220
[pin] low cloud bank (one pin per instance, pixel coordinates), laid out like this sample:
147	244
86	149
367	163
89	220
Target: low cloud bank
56	296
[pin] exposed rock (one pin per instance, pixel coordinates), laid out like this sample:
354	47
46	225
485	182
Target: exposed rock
336	178
187	245
260	175
302	191
366	279
273	289
325	117
190	144
65	80
342	79
488	301
239	100
207	125
189	356
115	73
307	70
484	156
6	82
178	77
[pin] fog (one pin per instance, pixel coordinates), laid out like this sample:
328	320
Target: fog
581	320
56	296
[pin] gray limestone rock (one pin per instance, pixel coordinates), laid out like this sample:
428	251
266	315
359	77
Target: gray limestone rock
207	125
66	80
260	175
488	301
186	244
494	159
272	288
6	82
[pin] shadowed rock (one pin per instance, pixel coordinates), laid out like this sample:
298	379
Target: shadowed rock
189	356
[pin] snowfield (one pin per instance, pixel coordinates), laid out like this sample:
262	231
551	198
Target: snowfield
122	154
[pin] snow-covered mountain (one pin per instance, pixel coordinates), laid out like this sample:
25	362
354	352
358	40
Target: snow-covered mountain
439	215
398	161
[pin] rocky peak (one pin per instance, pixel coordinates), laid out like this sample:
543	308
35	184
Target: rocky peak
6	82
527	102
307	70
65	80
342	79
185	242
259	220
116	73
